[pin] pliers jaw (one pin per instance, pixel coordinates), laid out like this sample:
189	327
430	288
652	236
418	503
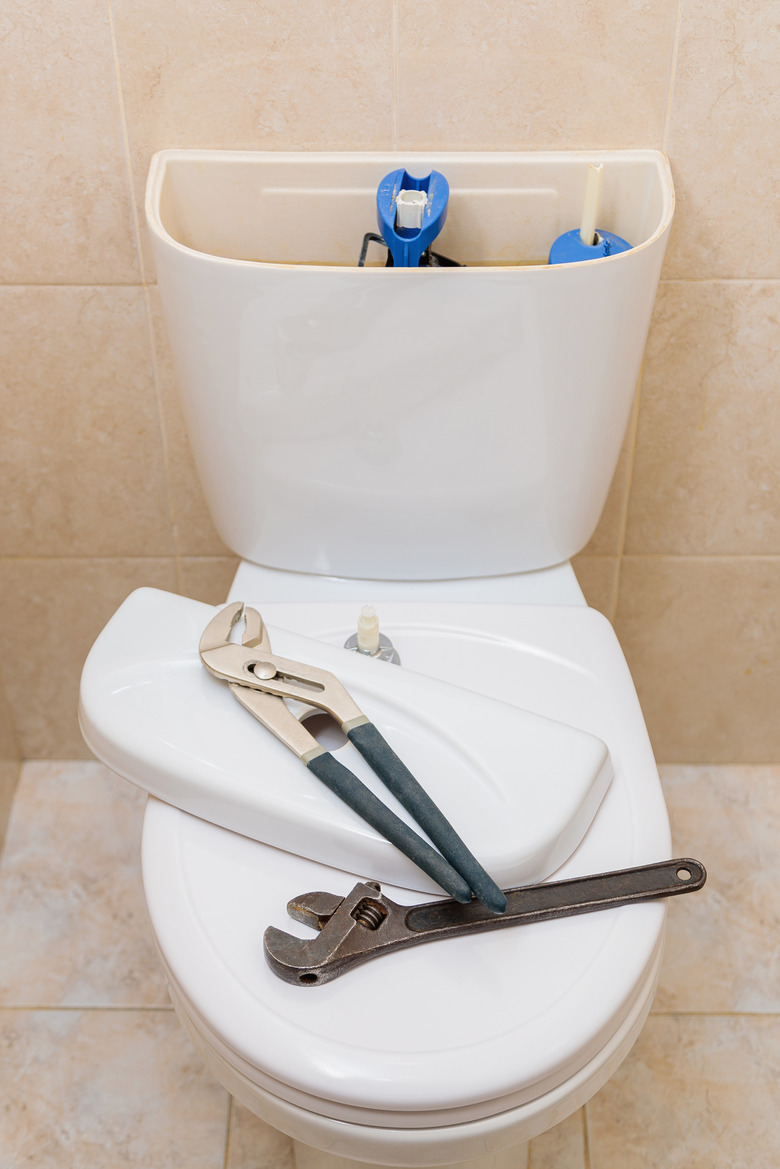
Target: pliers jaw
252	664
224	659
219	629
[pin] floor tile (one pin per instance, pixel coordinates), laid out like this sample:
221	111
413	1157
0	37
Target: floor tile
721	948
695	1093
253	1144
10	761
112	1087
105	1089
71	902
9	778
563	1147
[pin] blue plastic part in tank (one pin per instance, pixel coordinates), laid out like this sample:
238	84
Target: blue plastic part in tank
569	248
406	245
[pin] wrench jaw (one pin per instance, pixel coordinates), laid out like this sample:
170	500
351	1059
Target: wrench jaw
314	909
352	929
296	961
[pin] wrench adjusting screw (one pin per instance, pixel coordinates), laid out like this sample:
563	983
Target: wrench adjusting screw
369	913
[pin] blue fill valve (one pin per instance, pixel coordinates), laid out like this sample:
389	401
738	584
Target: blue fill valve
410	214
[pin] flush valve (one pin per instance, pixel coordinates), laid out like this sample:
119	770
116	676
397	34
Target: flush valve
410	214
369	641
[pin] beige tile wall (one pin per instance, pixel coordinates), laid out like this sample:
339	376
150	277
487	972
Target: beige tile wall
101	494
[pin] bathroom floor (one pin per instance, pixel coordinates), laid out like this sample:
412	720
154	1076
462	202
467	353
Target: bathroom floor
96	1071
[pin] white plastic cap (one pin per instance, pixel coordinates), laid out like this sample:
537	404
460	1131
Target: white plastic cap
410	206
368	630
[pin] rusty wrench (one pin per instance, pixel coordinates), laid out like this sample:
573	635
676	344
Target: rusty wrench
365	923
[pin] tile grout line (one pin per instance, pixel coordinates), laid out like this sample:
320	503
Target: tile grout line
768	763
698	557
587	1159
719	280
395	73
72	284
627	494
150	283
147	301
150	338
155	368
661	762
162	1008
121	556
228	1131
75	1009
713	1014
672	76
125	142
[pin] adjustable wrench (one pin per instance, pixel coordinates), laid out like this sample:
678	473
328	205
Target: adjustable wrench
365	923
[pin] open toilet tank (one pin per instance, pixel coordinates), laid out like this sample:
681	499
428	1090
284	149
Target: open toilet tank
404	424
440	442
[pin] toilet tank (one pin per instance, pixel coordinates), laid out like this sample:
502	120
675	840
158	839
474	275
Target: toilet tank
398	423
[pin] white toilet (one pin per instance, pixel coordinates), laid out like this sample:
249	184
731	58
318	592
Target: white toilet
437	444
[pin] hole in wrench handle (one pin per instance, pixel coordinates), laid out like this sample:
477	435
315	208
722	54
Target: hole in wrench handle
562	898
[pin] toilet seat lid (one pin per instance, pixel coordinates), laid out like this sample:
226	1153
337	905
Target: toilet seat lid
441	1032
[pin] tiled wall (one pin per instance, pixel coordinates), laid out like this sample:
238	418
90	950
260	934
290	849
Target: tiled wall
100	492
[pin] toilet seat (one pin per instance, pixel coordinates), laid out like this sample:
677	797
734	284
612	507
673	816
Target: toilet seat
448	1033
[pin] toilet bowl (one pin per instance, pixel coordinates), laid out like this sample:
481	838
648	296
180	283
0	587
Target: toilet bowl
439	444
456	1050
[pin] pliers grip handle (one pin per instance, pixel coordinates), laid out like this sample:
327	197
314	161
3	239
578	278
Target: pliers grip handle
341	781
398	780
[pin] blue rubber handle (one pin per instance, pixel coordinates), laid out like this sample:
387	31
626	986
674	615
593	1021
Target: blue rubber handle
397	778
406	245
340	780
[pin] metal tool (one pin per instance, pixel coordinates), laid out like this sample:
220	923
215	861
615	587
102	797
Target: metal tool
261	681
366	924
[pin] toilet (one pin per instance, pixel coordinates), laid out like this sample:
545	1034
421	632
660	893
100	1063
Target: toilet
437	444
